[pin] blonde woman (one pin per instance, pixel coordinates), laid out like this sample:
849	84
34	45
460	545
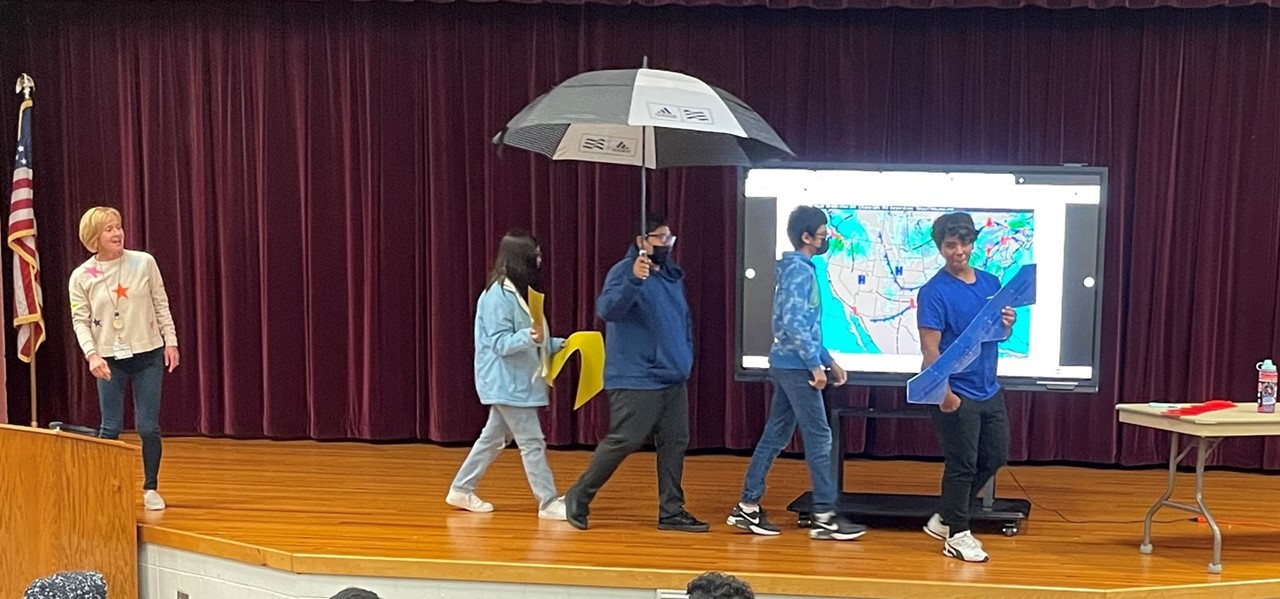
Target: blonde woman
120	314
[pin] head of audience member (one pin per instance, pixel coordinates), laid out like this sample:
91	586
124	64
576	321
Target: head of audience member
355	593
715	585
68	585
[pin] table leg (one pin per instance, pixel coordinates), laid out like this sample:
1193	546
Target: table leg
1145	547
1206	447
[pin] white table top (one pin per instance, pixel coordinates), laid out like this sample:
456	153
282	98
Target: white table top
1240	421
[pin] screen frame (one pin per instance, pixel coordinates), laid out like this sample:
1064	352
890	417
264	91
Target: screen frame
888	379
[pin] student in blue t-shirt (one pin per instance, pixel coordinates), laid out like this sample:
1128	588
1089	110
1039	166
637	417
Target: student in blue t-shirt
971	424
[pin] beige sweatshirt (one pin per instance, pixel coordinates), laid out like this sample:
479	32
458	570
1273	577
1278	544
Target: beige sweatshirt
129	286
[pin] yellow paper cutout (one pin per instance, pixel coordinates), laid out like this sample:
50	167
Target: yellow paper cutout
536	301
590	344
536	305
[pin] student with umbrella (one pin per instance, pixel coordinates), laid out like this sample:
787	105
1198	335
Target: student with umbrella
648	359
651	119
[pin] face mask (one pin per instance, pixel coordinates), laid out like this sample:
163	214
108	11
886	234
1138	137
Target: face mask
822	249
660	255
535	275
529	276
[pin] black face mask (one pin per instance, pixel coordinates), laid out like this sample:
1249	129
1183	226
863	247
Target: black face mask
526	278
823	247
660	255
535	275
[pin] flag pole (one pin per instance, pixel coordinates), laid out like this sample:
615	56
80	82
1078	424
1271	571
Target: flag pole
35	422
24	86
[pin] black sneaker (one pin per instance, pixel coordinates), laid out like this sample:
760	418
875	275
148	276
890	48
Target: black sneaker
575	513
683	522
831	526
756	522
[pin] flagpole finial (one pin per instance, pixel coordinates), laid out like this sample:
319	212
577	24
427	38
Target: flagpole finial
24	86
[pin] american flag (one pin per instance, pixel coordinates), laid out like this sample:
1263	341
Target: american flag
28	314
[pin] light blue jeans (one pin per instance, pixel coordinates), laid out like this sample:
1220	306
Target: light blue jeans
795	402
504	423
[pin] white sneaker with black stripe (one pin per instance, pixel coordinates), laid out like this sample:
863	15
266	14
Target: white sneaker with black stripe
963	546
754	521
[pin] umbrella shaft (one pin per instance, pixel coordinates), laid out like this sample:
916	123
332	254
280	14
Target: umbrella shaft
644	184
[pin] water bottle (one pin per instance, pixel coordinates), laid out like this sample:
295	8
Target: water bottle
1266	387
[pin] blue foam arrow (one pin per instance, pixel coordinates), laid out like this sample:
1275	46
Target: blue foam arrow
929	387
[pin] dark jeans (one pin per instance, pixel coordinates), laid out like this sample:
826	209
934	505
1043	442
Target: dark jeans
975	444
146	371
633	415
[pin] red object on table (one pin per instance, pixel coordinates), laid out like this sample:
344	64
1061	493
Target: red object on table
1200	408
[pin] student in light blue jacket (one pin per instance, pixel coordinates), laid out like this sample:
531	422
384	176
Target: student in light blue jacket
511	357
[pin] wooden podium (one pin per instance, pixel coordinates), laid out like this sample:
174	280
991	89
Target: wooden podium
66	503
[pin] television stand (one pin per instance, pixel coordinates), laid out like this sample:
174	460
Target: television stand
988	508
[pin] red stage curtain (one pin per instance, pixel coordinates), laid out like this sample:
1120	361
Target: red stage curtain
317	185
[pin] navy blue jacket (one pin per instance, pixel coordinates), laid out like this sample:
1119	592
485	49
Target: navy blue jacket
648	329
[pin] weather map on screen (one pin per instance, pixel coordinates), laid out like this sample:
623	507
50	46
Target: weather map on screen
881	256
880	223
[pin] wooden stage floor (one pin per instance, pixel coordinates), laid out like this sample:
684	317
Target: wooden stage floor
378	510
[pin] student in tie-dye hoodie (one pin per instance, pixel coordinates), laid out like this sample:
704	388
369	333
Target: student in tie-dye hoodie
797	367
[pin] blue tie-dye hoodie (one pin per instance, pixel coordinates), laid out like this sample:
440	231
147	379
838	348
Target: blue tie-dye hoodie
797	316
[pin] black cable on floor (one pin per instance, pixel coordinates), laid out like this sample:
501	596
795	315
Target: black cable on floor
1071	521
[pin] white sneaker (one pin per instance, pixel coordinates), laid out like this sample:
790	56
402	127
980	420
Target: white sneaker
467	501
553	511
152	500
963	546
936	529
